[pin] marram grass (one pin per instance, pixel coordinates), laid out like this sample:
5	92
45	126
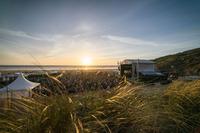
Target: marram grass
47	115
124	109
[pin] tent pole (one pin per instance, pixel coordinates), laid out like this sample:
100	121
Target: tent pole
138	70
11	99
7	96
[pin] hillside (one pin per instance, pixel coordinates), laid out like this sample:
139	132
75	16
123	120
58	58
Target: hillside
184	63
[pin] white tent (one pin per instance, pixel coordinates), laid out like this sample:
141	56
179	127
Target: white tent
20	87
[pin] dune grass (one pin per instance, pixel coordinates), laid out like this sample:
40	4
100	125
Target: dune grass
124	109
45	115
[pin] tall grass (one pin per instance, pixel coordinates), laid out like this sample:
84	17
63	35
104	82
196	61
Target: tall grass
184	101
53	114
124	109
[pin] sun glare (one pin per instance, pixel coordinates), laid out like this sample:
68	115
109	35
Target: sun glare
86	60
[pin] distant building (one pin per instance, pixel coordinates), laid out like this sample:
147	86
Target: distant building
137	69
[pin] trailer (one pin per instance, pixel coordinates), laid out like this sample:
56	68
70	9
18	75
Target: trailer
141	70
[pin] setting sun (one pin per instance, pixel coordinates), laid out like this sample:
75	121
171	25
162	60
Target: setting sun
86	60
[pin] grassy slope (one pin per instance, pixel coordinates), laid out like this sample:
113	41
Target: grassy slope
185	63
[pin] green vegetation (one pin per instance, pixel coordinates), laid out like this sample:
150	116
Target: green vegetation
185	63
124	109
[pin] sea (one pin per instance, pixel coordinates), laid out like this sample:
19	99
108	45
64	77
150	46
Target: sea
54	67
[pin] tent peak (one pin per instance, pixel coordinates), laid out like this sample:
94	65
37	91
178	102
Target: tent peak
21	83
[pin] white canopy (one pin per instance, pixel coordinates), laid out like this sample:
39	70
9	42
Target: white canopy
20	84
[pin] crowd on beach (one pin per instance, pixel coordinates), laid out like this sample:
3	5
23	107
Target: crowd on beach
79	81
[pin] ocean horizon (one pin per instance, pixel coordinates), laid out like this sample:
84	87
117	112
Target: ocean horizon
54	67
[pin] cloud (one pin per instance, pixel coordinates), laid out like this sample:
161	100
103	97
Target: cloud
23	43
18	34
26	35
130	40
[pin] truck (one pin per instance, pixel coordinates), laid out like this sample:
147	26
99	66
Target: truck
141	70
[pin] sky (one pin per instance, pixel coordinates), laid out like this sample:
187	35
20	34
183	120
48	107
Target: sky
64	32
